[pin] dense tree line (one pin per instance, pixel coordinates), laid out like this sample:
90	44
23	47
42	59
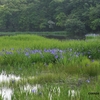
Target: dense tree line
74	16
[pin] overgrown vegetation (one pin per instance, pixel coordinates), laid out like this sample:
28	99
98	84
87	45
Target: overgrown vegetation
54	64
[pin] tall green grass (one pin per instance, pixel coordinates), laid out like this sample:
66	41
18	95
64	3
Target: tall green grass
78	53
80	59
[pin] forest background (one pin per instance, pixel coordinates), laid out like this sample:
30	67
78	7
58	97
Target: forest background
73	16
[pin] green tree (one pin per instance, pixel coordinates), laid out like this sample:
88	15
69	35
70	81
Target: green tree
4	11
94	15
33	15
61	19
75	27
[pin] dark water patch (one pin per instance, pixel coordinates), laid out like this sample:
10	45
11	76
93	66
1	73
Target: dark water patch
55	37
49	36
6	35
63	37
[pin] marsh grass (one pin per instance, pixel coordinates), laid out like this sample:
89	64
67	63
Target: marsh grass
52	88
51	63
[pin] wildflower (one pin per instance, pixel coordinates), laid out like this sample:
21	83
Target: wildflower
12	48
70	49
50	96
59	50
33	91
53	52
77	55
6	93
56	56
88	81
7	78
89	56
27	54
54	90
35	88
92	60
8	52
73	94
89	52
58	89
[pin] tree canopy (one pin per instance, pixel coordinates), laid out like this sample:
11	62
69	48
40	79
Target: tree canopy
75	16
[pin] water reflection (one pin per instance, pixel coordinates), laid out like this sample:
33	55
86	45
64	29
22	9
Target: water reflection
7	78
6	92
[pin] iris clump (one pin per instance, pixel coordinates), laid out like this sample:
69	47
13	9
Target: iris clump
21	56
66	57
29	56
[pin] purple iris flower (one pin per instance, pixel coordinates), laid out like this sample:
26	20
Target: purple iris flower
27	54
8	52
88	81
56	56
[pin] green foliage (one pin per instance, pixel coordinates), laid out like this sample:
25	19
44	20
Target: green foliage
92	36
77	54
95	24
74	71
61	19
75	27
89	68
23	15
94	17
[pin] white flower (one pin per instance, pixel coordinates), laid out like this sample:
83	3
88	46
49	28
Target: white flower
58	91
7	78
73	93
6	93
50	96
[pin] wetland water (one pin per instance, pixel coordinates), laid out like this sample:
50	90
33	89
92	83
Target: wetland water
6	92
